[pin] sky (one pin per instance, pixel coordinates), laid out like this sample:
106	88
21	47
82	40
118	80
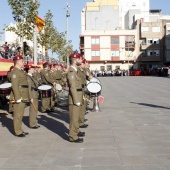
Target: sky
58	10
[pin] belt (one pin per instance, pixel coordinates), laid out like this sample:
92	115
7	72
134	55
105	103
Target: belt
58	79
23	86
79	89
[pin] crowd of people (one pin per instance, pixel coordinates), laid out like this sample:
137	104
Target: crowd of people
108	73
25	82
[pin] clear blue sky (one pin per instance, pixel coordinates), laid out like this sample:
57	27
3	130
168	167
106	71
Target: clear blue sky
57	8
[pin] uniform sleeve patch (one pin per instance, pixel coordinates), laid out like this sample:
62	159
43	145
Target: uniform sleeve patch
46	74
14	76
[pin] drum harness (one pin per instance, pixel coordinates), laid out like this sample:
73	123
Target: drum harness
33	88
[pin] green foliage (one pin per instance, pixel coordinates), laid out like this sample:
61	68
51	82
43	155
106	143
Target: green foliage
51	38
24	13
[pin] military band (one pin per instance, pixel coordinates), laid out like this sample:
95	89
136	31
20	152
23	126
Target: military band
25	81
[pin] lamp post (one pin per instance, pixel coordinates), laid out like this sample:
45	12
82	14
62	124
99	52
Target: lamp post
67	15
35	42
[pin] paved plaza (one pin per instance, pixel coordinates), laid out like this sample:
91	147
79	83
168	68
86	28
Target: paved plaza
132	132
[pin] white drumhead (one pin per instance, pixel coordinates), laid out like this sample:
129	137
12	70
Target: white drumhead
94	87
58	87
87	82
44	87
5	86
95	80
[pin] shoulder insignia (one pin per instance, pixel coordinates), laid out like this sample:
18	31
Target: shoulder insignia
14	76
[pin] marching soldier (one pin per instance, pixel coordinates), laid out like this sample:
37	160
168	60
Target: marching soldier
46	79
64	76
52	76
37	75
20	91
82	74
75	99
33	95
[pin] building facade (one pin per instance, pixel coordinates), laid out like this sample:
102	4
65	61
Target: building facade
124	34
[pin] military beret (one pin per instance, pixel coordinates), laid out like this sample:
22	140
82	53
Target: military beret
29	66
11	68
75	55
19	57
46	63
84	60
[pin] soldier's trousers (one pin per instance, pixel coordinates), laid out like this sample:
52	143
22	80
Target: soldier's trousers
33	113
11	109
19	109
45	104
74	113
82	113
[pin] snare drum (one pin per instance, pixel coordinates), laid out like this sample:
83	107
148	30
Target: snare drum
5	89
95	80
44	91
94	88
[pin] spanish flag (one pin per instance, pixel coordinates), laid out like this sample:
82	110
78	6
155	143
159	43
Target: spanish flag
40	23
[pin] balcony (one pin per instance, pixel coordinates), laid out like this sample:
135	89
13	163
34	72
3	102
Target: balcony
129	46
81	46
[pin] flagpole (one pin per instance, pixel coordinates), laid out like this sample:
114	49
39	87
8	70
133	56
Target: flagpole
35	43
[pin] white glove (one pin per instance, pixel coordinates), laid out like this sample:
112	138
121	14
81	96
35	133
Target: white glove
78	104
18	101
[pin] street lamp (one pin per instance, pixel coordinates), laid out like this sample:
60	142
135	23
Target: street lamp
67	15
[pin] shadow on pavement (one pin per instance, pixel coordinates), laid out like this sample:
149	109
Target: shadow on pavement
151	105
54	126
7	122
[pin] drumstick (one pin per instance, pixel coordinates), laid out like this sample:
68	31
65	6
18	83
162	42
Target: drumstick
34	107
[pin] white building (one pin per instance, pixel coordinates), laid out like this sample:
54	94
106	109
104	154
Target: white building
128	8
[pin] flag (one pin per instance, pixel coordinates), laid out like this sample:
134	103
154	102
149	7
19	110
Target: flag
39	23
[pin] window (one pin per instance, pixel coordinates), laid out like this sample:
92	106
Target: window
144	29
114	53
102	68
156	41
95	40
143	42
114	40
109	67
149	41
155	29
152	52
95	53
143	54
117	67
153	41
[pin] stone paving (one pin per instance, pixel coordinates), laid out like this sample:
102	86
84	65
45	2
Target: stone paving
132	132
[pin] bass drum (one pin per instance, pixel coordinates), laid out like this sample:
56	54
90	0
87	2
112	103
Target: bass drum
44	91
94	88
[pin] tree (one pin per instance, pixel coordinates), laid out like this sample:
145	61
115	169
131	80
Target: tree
44	36
24	13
